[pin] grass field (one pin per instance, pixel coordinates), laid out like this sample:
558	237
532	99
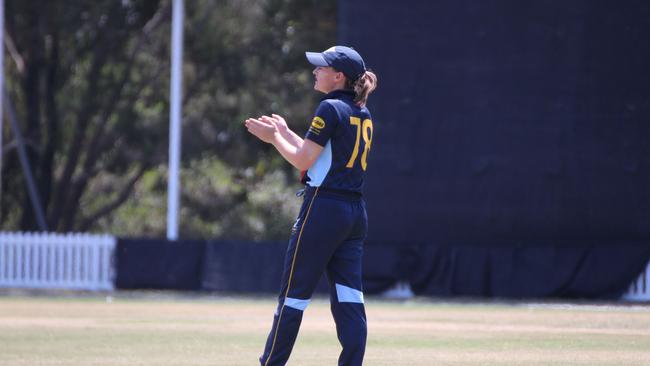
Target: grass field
161	329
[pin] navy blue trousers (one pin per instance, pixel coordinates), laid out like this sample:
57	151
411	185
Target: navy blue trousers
327	237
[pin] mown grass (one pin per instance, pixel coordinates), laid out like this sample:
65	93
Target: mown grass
146	329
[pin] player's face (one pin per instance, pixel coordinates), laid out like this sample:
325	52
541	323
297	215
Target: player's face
327	79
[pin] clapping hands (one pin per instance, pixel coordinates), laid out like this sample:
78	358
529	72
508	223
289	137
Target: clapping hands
265	128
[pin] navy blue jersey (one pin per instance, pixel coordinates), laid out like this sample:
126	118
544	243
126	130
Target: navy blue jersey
345	131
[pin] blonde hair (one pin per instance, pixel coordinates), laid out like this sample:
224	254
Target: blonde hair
362	87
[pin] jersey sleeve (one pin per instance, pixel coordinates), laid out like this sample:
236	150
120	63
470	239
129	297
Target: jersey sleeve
323	124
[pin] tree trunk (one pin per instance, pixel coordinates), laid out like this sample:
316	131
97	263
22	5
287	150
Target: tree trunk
34	62
52	128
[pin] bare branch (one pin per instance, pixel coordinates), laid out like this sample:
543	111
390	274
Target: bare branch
100	141
15	55
80	128
95	145
61	208
117	202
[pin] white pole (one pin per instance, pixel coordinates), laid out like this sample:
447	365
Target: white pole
175	119
2	83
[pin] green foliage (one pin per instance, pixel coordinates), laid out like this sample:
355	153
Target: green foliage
217	202
91	86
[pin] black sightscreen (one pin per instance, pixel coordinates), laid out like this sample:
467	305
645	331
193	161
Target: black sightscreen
506	120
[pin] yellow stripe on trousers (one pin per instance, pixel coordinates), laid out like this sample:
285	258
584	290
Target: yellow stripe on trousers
293	262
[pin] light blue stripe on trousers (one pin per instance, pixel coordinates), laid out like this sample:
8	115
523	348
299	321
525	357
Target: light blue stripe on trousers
348	294
298	304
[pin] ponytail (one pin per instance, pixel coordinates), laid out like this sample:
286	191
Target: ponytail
362	87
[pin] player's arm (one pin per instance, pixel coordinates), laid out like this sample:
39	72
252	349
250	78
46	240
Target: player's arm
302	156
291	137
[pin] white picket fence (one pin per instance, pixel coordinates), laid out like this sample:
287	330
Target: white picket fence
56	261
640	289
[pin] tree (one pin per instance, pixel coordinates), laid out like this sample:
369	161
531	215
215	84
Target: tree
90	82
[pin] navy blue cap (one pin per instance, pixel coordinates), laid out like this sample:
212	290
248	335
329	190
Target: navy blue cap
341	58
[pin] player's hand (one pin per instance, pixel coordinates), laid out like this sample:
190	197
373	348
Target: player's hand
277	120
263	130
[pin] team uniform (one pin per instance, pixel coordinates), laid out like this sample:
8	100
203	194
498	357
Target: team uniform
329	232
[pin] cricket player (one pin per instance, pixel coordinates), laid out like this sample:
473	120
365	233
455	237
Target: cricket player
330	229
